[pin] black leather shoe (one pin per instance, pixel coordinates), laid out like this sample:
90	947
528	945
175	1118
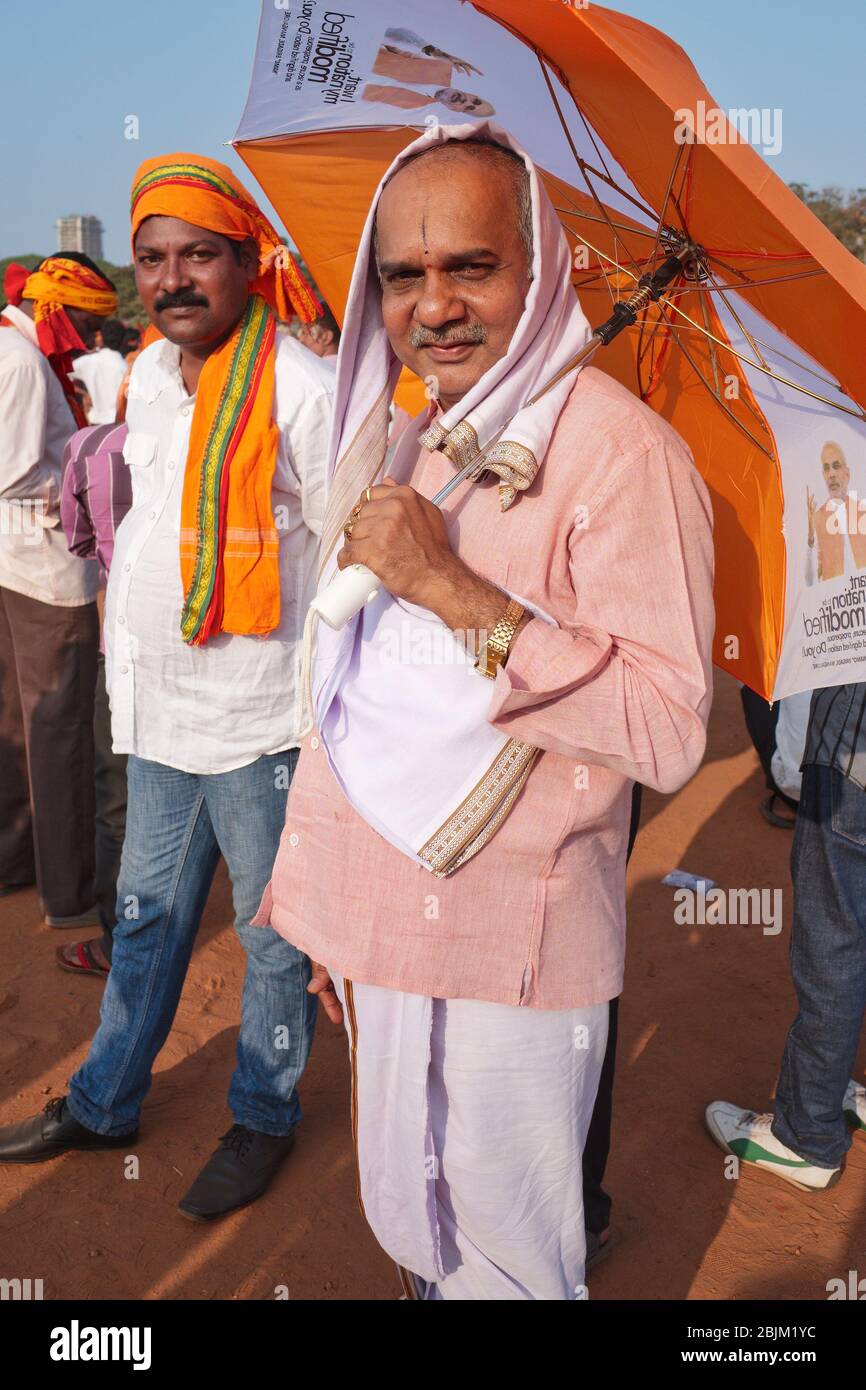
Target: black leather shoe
53	1132
236	1174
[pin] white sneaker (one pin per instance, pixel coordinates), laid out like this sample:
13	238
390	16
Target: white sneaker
750	1139
854	1106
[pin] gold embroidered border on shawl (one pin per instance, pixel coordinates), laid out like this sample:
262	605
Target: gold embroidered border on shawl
356	468
514	463
459	445
480	814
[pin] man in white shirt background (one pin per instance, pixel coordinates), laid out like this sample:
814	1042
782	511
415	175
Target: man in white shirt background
49	630
102	372
213	567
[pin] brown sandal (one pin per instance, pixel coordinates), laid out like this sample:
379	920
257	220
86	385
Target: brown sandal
87	962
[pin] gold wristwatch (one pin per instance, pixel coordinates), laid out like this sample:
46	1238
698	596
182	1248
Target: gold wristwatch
495	649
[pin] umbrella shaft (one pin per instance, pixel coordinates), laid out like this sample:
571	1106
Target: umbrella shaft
588	350
449	487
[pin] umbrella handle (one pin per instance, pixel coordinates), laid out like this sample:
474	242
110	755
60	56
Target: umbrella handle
346	595
356	585
650	288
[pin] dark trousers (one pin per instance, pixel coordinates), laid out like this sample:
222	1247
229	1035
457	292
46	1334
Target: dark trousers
828	964
110	811
596	1202
47	681
761	720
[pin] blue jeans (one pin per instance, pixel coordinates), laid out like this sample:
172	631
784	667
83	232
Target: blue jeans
177	826
828	963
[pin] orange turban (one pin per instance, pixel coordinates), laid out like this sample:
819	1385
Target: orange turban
60	284
207	194
67	283
229	549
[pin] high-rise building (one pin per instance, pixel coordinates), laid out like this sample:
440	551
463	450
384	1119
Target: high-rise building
80	234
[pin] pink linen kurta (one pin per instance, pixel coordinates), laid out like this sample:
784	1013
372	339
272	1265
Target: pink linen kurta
614	541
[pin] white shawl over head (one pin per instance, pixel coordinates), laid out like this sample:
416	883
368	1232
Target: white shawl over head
456	777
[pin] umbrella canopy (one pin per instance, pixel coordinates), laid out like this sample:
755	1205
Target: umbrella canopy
755	352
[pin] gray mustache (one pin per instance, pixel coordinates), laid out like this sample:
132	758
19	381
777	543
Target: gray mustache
426	337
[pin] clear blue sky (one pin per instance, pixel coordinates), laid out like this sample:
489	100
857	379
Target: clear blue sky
72	73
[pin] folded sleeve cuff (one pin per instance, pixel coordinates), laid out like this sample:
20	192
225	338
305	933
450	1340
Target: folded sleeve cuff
545	662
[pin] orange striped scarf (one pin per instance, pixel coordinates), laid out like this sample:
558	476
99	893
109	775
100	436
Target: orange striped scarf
228	540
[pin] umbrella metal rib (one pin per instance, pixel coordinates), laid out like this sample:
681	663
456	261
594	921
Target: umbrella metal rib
858	414
673	199
758	363
582	166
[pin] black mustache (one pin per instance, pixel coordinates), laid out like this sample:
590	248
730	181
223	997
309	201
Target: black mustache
184	299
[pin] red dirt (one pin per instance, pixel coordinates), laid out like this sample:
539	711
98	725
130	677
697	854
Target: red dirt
704	1015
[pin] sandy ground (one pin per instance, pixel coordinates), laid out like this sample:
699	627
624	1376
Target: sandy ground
704	1015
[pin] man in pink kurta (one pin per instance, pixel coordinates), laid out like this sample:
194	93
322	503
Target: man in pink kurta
476	1002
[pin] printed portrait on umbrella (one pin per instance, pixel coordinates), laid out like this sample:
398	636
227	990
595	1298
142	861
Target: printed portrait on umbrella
837	529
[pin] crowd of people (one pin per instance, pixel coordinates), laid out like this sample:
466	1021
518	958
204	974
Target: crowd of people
433	847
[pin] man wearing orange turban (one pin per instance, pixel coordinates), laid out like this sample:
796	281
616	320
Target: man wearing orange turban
233	441
48	621
67	297
213	568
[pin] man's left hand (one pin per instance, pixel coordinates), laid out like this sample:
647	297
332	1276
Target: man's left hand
401	537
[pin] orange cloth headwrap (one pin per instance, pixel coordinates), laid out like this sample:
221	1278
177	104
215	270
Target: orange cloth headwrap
60	282
57	285
228	538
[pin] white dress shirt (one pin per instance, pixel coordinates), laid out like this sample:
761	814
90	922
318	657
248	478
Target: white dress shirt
216	707
35	423
791	730
102	373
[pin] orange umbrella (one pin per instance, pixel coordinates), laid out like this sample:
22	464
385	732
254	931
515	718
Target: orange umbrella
754	353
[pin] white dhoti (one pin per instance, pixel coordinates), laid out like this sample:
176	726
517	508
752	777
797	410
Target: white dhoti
470	1120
